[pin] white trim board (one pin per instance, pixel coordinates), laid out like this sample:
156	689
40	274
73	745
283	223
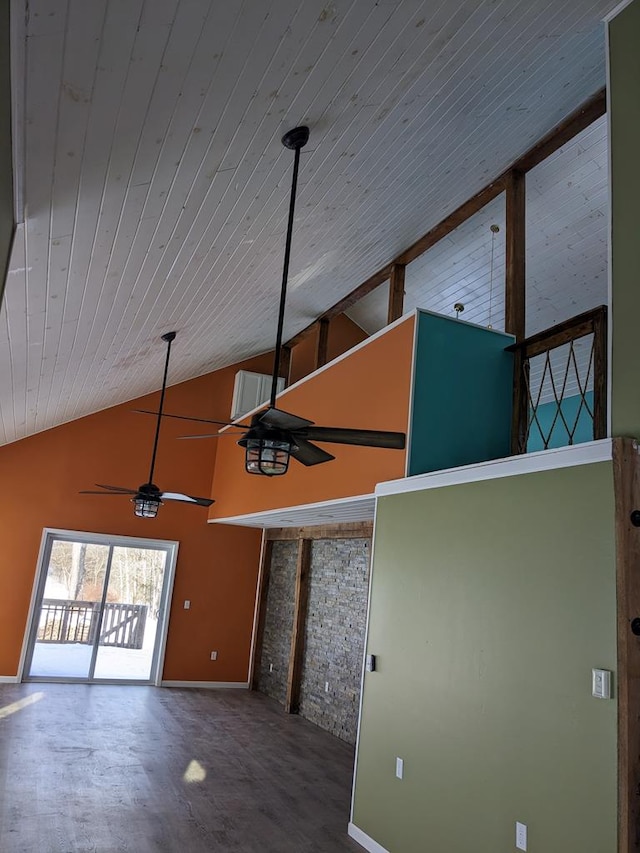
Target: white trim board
328	513
208	685
365	840
616	11
527	463
9	679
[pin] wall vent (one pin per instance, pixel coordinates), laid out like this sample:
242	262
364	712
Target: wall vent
251	390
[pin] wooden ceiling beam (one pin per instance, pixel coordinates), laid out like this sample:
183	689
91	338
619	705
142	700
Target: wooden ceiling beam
566	130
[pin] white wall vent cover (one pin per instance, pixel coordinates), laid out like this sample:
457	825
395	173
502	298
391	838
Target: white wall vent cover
251	390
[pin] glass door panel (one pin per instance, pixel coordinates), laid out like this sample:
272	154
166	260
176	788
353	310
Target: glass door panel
130	615
69	617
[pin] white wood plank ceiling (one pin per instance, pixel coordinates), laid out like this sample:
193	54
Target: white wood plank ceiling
156	187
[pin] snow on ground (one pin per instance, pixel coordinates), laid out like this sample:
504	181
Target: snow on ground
72	660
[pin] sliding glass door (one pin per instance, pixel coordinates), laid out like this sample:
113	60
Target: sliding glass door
99	607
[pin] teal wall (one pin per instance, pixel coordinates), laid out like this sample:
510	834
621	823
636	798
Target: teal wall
490	604
462	394
559	436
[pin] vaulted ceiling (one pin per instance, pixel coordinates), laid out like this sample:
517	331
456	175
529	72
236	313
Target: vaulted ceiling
155	187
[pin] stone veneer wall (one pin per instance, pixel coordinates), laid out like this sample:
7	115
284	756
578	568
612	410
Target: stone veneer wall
334	636
276	642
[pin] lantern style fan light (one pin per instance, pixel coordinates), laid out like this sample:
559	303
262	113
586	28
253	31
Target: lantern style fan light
147	498
274	436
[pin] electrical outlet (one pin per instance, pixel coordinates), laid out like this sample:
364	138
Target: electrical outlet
187	604
521	836
214	655
399	768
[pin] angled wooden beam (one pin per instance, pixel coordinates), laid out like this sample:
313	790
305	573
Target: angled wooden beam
452	221
322	348
261	598
292	702
588	112
396	293
626	477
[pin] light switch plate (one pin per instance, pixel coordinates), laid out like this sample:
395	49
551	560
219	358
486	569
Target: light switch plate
399	768
601	683
521	836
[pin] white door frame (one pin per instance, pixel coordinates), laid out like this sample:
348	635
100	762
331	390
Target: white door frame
51	533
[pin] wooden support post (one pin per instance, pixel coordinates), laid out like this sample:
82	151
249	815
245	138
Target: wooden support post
322	348
396	293
261	616
515	255
626	471
600	425
299	621
514	319
285	363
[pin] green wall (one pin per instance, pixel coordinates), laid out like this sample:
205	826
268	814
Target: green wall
624	119
491	602
6	175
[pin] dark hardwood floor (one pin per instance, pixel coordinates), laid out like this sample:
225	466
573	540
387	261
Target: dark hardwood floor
106	769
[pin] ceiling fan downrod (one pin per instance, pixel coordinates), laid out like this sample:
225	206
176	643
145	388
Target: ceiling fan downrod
294	139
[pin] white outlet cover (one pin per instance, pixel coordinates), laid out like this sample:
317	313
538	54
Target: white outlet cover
399	768
521	836
601	683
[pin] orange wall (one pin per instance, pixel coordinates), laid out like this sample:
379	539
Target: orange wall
217	565
343	334
369	389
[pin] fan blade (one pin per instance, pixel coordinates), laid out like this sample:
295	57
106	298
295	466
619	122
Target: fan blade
213	434
362	437
108	494
177	496
272	417
122	489
309	454
186	418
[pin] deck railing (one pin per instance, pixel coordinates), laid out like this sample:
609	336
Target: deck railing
69	621
560	384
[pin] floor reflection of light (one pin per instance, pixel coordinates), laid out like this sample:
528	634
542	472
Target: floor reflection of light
20	704
195	772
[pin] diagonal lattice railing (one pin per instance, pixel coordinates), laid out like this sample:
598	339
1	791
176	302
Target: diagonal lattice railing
560	384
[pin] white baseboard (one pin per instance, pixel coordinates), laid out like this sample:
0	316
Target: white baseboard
9	679
210	685
363	839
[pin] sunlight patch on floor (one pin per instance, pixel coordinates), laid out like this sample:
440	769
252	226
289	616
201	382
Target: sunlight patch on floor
20	704
195	772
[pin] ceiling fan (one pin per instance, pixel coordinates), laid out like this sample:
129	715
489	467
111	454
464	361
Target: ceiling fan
275	435
147	498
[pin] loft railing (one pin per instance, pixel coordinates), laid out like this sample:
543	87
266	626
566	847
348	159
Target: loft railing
560	384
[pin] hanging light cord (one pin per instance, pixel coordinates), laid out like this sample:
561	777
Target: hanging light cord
494	230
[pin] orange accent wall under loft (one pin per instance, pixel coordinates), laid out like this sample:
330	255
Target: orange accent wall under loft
217	566
343	335
368	389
